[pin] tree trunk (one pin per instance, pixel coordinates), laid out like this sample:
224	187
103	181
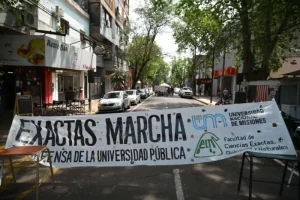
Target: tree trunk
134	79
267	41
248	59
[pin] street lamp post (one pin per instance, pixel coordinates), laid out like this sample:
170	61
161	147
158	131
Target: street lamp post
222	78
212	76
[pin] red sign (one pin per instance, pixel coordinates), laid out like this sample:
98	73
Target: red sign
84	66
228	71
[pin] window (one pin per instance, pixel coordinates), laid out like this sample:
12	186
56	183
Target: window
60	84
118	9
64	26
118	30
76	83
107	19
69	83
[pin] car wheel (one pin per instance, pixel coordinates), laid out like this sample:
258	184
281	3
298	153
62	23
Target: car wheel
128	107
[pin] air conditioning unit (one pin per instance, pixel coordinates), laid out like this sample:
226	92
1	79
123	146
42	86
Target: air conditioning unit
59	11
30	19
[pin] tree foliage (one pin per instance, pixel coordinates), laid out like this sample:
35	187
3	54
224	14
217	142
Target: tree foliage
119	78
18	7
136	55
180	70
143	49
263	28
159	72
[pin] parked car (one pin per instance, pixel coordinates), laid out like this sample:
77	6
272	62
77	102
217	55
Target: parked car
147	92
176	90
143	93
134	96
151	91
186	92
114	101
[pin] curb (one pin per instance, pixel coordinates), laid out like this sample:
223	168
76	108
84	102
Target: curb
208	104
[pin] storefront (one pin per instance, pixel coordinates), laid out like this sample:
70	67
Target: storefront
229	79
43	67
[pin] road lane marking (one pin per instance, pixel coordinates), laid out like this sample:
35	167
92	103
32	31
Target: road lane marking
290	169
178	186
140	103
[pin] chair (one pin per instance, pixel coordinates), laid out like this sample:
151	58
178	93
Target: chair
250	155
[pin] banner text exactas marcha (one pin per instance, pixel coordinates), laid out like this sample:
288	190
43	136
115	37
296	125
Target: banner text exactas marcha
167	137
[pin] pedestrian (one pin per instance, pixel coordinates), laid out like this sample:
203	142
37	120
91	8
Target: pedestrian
218	91
172	91
225	93
168	92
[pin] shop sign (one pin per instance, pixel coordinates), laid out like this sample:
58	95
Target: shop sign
203	81
44	51
142	138
228	71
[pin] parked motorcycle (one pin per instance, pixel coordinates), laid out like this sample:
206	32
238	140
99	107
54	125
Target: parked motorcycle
224	101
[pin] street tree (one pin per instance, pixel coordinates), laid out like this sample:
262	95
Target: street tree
180	70
119	78
199	33
263	28
136	56
17	7
153	16
159	72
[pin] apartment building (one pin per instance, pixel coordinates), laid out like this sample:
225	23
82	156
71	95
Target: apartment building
109	20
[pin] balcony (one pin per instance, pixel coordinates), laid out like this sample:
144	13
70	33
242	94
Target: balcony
109	3
102	32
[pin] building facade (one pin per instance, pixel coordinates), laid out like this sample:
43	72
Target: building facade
46	54
109	22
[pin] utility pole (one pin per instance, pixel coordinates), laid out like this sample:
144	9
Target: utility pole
222	78
199	82
212	76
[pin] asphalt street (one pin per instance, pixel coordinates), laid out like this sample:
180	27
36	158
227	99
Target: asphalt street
207	181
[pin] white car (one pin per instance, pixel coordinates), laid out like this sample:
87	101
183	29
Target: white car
151	91
114	101
186	92
134	96
176	90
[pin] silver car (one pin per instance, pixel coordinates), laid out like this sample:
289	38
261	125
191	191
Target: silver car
134	96
114	101
186	92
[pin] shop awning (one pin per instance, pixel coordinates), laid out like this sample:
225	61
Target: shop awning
297	72
25	50
229	71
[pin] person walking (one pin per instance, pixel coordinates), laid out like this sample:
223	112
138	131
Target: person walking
172	91
225	93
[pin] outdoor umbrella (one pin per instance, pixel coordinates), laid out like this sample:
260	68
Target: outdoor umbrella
165	85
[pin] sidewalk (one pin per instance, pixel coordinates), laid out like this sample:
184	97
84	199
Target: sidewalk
206	100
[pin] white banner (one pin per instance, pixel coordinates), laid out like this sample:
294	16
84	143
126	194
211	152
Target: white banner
165	137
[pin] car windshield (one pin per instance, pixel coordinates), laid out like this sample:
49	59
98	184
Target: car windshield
112	95
142	91
186	88
130	92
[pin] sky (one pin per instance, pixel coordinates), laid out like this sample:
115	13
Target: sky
165	39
